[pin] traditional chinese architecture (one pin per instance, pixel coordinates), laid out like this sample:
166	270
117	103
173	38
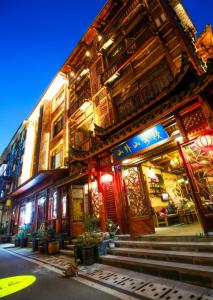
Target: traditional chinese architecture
125	127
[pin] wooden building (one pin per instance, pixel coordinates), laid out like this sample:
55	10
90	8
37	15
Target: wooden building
125	127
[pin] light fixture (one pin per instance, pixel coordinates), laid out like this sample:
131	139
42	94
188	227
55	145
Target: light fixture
179	138
84	72
72	74
106	178
113	78
108	43
125	161
151	173
205	142
125	173
85	105
88	53
28	213
175	132
99	37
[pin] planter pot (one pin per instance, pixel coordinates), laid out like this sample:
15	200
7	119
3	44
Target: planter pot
35	244
78	253
96	253
53	247
17	243
5	239
88	255
23	242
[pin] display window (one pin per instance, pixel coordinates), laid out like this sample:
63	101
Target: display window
200	161
41	212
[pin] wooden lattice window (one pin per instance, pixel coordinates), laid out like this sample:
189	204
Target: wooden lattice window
137	201
193	120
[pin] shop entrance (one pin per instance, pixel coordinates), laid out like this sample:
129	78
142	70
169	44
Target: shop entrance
158	188
79	208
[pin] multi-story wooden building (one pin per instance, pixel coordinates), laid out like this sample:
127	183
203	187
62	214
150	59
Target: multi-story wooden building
125	127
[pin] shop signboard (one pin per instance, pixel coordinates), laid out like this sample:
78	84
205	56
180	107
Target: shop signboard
140	142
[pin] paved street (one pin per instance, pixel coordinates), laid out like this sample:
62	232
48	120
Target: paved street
99	281
48	284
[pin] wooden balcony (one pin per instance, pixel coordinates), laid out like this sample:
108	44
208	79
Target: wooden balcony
119	18
85	96
142	97
127	53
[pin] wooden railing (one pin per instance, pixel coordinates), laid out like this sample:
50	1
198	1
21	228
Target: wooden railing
85	96
141	97
127	53
119	19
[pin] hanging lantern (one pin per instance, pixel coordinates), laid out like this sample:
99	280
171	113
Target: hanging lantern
205	142
106	178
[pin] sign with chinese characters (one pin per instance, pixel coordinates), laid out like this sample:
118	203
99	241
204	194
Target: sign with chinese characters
144	140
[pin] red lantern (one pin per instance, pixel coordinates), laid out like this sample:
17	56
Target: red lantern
205	142
106	178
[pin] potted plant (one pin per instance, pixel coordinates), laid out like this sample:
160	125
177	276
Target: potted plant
112	228
22	236
86	248
35	240
87	244
53	244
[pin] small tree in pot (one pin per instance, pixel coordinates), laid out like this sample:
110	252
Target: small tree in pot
86	244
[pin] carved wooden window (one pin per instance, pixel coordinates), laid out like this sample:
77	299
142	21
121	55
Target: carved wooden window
136	197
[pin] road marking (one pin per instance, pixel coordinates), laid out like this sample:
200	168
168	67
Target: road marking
94	285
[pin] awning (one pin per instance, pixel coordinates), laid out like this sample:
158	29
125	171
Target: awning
39	178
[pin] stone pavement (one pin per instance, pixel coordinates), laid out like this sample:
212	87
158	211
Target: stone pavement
138	285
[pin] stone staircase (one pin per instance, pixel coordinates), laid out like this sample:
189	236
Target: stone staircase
185	258
68	249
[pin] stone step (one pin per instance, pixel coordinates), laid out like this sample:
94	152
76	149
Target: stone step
69	247
67	252
200	258
172	245
181	238
195	274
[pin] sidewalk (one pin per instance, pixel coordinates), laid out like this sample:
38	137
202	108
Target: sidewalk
129	282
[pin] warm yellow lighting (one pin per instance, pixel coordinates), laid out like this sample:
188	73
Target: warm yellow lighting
94	185
99	38
113	77
85	105
11	285
179	138
87	53
8	202
151	173
126	161
72	74
125	173
175	132
84	72
108	43
28	153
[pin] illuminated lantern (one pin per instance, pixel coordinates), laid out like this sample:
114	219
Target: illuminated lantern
205	142
106	178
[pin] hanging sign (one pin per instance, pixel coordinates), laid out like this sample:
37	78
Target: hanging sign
144	140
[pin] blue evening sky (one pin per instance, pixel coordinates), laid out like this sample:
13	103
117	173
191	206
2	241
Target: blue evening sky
36	37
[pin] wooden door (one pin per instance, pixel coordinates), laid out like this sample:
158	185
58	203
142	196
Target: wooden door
77	209
139	207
